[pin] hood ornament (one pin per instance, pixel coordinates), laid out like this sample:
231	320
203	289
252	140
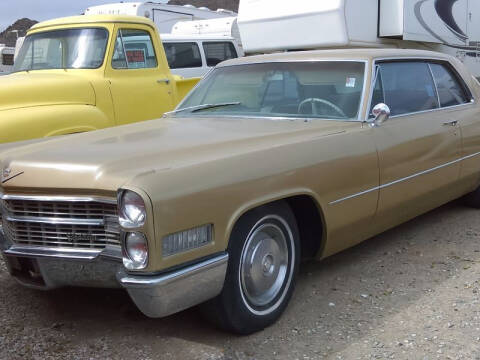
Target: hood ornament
7	174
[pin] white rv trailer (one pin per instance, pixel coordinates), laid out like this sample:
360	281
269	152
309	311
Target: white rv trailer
222	27
165	16
7	54
18	45
448	26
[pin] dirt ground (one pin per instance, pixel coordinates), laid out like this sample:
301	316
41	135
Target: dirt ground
410	293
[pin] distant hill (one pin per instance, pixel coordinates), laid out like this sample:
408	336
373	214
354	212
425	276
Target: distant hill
22	25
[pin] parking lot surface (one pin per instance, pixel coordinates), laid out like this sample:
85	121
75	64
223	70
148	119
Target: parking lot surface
410	293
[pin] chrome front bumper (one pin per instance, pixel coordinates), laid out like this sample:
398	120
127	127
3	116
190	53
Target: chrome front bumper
155	295
166	294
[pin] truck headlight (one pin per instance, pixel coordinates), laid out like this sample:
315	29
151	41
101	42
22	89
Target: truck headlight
132	212
136	251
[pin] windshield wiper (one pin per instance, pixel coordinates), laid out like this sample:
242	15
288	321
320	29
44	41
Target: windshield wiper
203	107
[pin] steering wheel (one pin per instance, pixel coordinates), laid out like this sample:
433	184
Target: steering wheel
315	101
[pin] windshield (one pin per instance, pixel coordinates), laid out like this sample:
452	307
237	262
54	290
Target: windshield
63	49
322	89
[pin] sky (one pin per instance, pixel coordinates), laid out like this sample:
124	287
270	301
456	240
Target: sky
12	10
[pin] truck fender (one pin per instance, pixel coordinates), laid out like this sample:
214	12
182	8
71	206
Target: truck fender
52	120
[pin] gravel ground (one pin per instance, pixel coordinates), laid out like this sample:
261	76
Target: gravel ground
410	293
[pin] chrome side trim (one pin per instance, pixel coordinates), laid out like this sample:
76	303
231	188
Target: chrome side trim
105	200
163	295
403	179
55	221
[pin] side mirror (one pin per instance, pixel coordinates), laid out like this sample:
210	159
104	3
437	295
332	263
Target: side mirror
381	112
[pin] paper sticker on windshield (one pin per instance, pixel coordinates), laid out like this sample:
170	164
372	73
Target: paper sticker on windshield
350	82
135	58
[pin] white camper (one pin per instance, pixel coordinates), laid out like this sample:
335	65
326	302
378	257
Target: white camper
6	59
222	27
18	46
165	16
448	26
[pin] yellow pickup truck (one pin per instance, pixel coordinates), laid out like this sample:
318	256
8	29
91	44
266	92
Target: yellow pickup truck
84	73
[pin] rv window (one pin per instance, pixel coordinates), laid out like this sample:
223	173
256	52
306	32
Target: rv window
7	59
183	55
408	87
134	50
450	91
216	52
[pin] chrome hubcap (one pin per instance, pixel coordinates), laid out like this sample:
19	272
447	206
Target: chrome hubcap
264	264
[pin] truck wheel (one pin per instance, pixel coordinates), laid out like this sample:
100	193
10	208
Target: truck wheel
264	255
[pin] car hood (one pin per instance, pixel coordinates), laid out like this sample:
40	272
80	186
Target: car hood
108	159
43	88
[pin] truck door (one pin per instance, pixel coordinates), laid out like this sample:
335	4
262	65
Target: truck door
140	81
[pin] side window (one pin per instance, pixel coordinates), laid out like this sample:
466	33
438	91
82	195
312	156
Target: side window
182	55
134	50
377	96
408	87
219	51
449	89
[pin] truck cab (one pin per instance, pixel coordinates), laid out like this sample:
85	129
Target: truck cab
82	73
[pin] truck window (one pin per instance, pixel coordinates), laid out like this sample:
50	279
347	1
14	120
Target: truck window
134	50
183	55
219	51
63	49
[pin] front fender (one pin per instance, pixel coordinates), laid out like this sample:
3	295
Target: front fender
184	86
53	120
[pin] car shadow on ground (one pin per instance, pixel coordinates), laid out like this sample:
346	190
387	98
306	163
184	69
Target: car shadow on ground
337	301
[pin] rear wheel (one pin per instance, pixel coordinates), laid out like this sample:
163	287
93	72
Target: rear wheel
263	264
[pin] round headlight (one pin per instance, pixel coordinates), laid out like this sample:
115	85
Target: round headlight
136	249
132	210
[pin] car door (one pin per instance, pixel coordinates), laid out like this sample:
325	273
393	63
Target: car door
418	146
140	83
458	105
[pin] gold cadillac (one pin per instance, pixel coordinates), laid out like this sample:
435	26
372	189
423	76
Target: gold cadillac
270	160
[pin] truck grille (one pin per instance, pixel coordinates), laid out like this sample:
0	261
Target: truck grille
80	223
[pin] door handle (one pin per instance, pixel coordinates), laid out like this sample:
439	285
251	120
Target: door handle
451	123
166	81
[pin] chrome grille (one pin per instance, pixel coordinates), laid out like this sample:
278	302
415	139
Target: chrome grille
80	223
